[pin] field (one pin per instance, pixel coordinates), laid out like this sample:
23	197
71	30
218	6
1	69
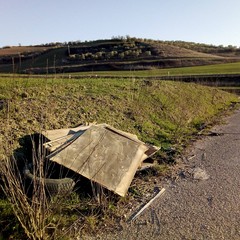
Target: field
215	69
15	51
164	113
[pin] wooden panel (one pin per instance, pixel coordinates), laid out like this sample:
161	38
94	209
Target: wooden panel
104	156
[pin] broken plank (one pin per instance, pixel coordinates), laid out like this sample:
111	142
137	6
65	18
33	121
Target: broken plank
148	204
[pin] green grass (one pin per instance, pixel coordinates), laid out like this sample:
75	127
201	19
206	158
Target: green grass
159	112
8	229
226	68
163	113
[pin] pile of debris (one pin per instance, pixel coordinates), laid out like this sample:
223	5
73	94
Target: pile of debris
99	152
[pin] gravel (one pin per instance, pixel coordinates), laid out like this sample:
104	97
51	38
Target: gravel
203	202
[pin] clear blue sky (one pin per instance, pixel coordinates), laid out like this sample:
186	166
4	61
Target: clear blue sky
30	22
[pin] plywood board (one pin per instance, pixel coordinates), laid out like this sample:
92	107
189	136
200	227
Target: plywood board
107	157
54	134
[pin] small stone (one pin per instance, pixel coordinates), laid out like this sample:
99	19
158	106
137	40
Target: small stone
204	156
200	174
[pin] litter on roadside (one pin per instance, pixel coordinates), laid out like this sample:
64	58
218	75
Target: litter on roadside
147	204
99	152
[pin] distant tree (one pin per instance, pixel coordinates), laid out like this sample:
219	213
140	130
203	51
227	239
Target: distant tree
73	56
82	56
99	55
113	53
128	52
231	48
136	53
147	53
121	55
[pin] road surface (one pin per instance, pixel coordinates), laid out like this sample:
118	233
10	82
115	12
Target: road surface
203	202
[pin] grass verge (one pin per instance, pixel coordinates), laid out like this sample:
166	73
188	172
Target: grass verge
163	113
224	68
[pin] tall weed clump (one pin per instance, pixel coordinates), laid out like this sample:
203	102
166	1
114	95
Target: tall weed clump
39	213
31	211
28	200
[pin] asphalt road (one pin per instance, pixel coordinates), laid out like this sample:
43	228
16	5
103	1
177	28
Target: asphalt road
203	202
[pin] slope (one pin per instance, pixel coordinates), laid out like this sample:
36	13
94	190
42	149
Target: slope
114	54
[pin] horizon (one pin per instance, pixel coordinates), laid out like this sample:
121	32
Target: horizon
29	23
114	37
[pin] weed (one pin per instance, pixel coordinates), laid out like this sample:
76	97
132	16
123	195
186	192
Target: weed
161	169
7	226
92	221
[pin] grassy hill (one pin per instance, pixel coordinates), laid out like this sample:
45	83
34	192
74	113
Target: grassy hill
150	109
114	54
226	51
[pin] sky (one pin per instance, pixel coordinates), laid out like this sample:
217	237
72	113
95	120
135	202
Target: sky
32	22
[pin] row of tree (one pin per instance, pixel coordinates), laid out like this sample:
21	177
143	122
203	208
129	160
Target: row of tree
110	55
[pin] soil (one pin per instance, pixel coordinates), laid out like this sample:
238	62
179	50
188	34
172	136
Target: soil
203	200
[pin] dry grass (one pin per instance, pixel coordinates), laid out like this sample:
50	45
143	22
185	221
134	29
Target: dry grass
13	51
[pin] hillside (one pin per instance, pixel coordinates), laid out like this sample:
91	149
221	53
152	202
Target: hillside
149	109
114	54
228	51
